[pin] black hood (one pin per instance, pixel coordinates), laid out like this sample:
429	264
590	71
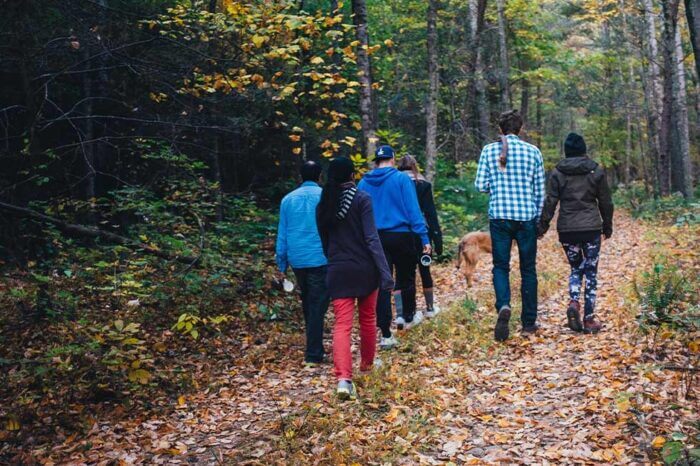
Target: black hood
577	166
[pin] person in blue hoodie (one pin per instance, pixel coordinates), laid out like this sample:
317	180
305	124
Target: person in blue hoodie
398	218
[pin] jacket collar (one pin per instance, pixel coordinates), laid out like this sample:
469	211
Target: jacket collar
309	183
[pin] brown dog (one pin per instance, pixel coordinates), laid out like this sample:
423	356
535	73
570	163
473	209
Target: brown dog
470	248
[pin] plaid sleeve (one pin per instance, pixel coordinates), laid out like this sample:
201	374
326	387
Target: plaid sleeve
538	184
482	183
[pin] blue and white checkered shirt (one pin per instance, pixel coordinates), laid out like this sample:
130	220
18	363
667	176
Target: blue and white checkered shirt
517	193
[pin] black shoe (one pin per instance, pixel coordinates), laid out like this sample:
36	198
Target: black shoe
501	331
530	329
573	316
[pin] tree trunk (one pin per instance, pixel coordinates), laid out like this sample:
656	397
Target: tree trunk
692	11
682	170
538	116
431	109
503	47
628	96
477	10
670	69
525	100
653	92
369	138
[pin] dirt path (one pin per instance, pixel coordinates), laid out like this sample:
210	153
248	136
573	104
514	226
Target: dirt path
448	394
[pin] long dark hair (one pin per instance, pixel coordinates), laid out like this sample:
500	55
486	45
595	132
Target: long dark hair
409	163
340	171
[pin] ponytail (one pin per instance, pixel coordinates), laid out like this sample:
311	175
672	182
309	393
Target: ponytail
503	159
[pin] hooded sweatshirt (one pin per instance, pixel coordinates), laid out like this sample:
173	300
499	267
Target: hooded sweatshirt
395	202
579	185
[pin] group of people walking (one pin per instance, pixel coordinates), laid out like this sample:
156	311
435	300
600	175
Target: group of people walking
357	245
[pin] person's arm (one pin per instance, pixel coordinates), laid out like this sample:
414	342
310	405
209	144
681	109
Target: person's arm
605	204
538	184
374	245
550	203
482	183
431	217
415	216
281	248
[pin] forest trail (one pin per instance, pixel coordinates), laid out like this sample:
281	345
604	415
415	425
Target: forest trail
448	394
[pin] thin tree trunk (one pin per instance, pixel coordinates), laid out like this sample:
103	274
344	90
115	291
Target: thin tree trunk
477	10
628	94
692	12
654	91
431	110
369	139
525	100
538	115
503	48
670	69
682	170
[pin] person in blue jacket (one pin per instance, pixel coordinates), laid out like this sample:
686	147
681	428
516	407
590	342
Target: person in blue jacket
299	246
398	218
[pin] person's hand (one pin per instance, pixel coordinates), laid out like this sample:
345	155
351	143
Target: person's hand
427	249
280	276
387	284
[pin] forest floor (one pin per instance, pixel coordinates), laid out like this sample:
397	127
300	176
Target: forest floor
448	394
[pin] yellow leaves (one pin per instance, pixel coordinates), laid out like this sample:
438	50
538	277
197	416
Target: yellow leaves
141	376
317	61
658	442
389	43
181	401
357	125
12	423
624	405
258	40
392	415
296	151
694	346
159	97
294	137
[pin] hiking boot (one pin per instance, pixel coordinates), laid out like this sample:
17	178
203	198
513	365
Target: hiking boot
346	390
417	319
400	322
590	325
530	329
387	343
573	316
501	331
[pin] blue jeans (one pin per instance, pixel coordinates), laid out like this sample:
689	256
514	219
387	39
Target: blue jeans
503	233
314	302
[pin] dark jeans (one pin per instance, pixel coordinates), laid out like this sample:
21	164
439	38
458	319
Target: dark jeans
314	301
400	252
503	233
426	277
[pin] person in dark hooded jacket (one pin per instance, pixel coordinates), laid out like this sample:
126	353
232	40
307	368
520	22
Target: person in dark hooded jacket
579	186
357	268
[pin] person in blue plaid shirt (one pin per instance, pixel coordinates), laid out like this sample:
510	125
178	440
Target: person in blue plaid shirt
512	172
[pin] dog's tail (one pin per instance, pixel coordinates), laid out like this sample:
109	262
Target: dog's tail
460	249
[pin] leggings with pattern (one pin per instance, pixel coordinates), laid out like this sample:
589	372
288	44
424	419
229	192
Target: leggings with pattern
583	259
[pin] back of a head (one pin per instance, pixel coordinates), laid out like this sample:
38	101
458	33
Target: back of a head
340	170
310	171
408	163
574	145
510	122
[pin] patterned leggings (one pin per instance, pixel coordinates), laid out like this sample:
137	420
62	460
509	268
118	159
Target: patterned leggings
583	259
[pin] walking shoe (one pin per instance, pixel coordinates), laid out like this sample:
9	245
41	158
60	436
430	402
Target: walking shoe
501	331
387	343
311	364
432	312
573	316
346	390
529	329
590	325
375	365
400	322
417	319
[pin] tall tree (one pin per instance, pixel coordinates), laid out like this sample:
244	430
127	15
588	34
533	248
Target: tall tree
369	138
653	89
477	85
431	108
670	70
503	48
681	167
692	11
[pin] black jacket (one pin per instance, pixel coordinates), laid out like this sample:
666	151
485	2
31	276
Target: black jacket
424	190
356	262
578	184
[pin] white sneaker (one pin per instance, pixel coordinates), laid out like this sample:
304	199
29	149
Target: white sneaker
400	323
388	343
417	319
430	313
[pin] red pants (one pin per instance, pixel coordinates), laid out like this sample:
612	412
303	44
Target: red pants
342	355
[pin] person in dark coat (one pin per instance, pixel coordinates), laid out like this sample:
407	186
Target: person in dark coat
579	186
357	268
424	189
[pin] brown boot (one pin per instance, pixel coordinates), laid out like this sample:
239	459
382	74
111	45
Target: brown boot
573	316
590	325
